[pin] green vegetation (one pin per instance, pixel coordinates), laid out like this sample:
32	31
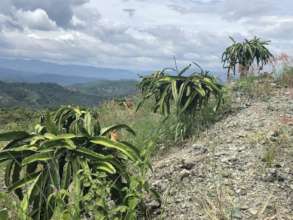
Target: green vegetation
187	94
44	95
61	164
155	130
17	119
254	87
69	167
108	88
280	139
244	54
261	87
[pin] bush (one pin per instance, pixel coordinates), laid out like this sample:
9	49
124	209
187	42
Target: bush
69	168
181	96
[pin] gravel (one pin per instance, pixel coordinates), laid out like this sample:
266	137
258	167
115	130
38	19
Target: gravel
227	173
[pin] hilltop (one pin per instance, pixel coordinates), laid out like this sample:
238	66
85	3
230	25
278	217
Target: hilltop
240	168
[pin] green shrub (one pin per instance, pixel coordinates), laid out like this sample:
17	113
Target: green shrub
69	168
181	96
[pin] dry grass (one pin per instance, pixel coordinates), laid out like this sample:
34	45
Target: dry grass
218	204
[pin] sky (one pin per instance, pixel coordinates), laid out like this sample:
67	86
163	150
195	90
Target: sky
139	34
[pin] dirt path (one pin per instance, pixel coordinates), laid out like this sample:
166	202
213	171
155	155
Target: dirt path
241	168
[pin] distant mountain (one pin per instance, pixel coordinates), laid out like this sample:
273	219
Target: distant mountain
106	88
42	95
11	75
38	68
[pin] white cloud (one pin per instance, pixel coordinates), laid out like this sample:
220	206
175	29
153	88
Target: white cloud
60	11
107	33
37	19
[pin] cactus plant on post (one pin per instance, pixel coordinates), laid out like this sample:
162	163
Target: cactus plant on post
244	54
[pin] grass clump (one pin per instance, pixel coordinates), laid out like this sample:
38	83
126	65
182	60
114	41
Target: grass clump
254	87
274	145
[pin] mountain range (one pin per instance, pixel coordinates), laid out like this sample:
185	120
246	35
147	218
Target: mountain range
34	83
34	71
42	95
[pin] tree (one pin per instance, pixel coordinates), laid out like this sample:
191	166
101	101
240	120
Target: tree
244	54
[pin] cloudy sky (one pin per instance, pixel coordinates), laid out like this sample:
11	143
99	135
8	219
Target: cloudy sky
139	34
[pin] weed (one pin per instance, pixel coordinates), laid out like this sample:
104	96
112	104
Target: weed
274	144
270	154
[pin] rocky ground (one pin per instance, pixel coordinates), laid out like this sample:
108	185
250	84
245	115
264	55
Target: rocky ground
241	168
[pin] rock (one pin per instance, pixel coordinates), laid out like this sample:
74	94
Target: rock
236	213
160	185
199	149
220	154
226	175
154	204
183	206
197	146
271	108
178	200
253	211
273	175
184	173
229	159
188	164
244	207
278	165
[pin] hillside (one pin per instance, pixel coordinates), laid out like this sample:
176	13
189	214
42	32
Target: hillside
237	164
42	95
106	88
241	168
